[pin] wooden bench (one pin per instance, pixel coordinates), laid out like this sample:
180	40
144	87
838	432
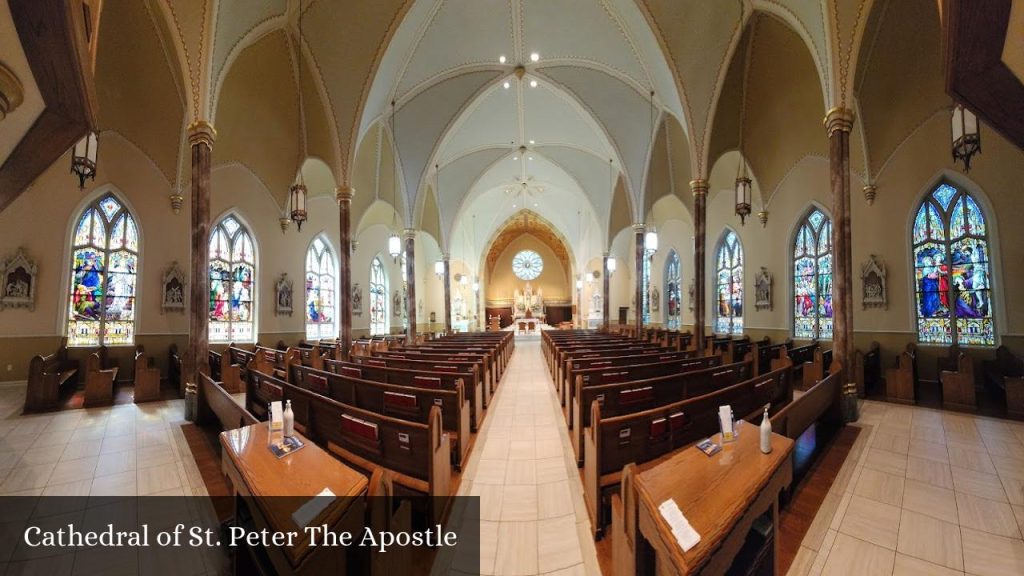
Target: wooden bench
99	381
767	353
411	403
214	400
816	370
1006	373
46	374
462	363
147	377
576	361
175	368
618	399
867	369
901	380
956	375
648	437
418	456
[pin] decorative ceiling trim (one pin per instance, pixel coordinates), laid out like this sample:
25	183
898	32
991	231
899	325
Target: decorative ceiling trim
526	222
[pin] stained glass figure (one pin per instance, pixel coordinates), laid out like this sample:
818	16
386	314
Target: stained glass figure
378	298
951	270
729	284
104	265
320	289
812	277
673	292
645	289
232	282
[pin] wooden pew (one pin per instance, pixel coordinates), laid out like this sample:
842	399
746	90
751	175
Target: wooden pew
461	362
901	380
213	399
275	362
650	436
1006	373
618	399
816	370
418	456
583	361
99	381
147	377
867	369
174	369
957	378
46	374
767	353
429	377
400	401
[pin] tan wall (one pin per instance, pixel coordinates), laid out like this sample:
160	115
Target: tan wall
554	279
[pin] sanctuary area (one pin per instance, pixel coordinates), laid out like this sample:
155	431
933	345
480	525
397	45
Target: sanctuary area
512	287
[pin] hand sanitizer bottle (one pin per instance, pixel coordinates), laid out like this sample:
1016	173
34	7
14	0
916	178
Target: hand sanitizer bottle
289	420
766	433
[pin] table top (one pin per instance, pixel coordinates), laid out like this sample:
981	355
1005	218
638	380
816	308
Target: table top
712	492
301	475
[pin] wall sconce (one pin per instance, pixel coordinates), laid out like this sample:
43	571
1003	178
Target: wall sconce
611	265
439	269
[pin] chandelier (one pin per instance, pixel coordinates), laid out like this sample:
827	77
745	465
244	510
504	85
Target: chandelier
966	136
297	191
83	158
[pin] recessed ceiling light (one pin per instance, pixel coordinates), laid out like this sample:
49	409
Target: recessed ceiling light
532	142
501	59
515	157
534	57
535	204
531	157
533	83
513	205
505	85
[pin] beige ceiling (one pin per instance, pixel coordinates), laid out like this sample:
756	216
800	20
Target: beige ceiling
17	123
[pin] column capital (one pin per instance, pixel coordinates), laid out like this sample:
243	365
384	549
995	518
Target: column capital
409	233
344	193
201	132
839	119
639	227
699	187
445	256
605	254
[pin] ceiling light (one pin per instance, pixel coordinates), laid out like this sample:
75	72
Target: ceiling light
534	57
535	204
533	83
513	205
515	158
532	142
530	157
505	85
501	59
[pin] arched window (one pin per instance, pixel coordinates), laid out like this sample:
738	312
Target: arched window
673	295
232	282
645	289
320	287
104	264
729	283
812	277
405	293
378	299
951	270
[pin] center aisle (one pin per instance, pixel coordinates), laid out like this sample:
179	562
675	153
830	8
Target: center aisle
533	520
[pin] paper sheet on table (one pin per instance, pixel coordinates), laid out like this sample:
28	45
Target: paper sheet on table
311	509
685	535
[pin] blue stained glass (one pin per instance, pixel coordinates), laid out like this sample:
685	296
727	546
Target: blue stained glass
109	206
230	225
816	218
975	218
673	291
812	278
730	284
83	232
943	195
232	282
378	298
319	301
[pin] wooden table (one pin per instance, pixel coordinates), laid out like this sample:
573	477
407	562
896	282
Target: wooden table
720	496
257	474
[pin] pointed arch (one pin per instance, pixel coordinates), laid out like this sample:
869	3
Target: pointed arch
105	253
673	290
729	282
379	317
321	288
812	275
233	275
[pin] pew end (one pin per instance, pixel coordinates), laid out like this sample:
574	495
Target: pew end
99	381
958	384
147	377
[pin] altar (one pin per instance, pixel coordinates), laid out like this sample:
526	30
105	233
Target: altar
527	309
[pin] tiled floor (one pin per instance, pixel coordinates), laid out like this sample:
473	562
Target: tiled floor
532	515
923	492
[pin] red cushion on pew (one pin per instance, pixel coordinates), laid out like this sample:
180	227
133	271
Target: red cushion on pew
361	428
432	382
399	400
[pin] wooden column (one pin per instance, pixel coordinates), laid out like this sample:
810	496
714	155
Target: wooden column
638	230
700	214
344	196
447	280
201	136
838	124
606	306
410	281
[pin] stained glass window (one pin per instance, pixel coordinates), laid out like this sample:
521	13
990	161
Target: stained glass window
527	265
812	277
645	289
951	270
320	289
729	284
232	282
673	293
104	264
405	294
378	299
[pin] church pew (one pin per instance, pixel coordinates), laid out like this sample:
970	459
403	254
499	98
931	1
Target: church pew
568	359
462	362
766	353
620	398
816	370
799	355
46	374
585	361
1006	373
647	437
901	381
215	401
628	369
867	369
99	381
419	377
409	402
147	377
174	368
214	359
493	356
311	356
418	456
277	359
957	379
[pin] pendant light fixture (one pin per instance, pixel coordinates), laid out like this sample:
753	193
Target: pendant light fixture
743	186
297	192
394	242
966	135
83	158
651	237
610	266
